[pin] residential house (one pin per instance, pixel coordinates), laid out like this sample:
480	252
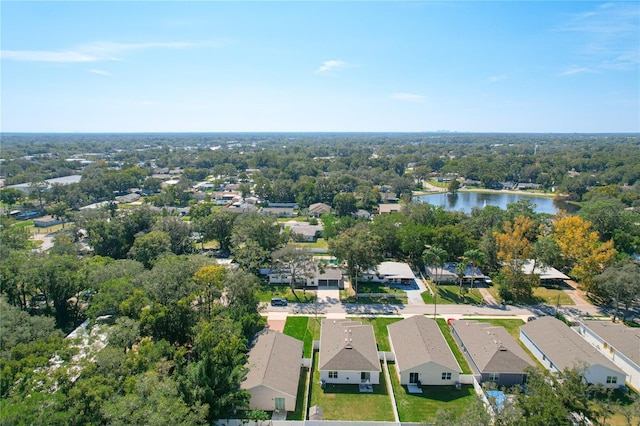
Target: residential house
448	273
617	342
274	372
558	347
491	352
389	208
329	276
422	354
46	221
303	232
348	353
276	211
390	272
547	274
317	209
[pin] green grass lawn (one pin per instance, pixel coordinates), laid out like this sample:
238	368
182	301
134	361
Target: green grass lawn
444	328
423	407
345	402
450	295
306	329
320	243
380	330
301	406
368	287
511	325
268	291
550	296
545	295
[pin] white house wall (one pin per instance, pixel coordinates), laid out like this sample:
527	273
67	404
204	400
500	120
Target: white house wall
263	398
430	374
350	377
595	373
619	359
598	374
537	353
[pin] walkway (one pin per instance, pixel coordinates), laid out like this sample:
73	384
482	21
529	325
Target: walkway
487	296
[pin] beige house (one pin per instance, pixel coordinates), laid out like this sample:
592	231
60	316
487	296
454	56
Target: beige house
274	372
422	354
348	353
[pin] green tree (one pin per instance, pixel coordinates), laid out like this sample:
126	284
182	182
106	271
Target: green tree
453	186
11	196
476	258
148	247
514	249
621	283
218	226
436	257
359	248
214	378
295	262
344	203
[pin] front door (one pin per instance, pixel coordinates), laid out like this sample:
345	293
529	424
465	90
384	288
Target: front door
413	377
279	404
365	377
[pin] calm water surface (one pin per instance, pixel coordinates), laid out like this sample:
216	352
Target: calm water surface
465	201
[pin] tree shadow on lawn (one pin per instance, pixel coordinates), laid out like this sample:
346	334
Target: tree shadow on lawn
454	297
443	393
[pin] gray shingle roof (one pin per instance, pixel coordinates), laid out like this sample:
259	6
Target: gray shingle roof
417	341
492	348
563	346
347	346
624	339
274	361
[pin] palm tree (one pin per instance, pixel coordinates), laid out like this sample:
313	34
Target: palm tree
460	270
435	256
475	257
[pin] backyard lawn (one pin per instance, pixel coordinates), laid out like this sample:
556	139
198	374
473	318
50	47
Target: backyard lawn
301	406
306	329
320	243
345	402
423	407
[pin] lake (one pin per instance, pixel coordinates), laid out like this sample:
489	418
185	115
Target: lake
465	201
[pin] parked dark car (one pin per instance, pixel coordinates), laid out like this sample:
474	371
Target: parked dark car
276	301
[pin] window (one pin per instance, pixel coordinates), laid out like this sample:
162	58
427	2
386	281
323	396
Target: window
333	374
612	380
413	377
494	377
446	376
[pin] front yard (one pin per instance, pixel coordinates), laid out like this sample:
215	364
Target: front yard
268	291
423	407
306	329
449	294
544	295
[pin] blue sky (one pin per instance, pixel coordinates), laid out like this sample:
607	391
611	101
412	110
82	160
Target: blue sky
320	66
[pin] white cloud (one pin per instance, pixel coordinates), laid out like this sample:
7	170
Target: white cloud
46	56
495	78
609	35
91	52
577	70
100	72
330	65
409	97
